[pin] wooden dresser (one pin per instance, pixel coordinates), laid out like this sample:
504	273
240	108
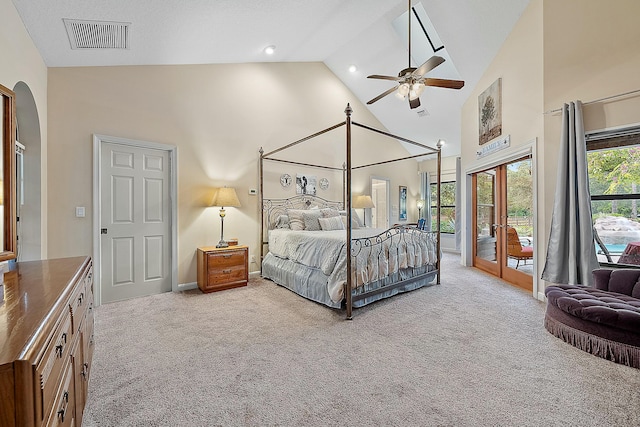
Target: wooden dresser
46	331
222	268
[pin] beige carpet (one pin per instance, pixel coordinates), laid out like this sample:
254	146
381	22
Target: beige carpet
470	352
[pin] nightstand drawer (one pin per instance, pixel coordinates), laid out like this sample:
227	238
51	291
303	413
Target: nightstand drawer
225	259
226	275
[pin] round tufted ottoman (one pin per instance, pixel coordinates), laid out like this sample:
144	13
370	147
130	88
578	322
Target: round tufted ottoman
603	323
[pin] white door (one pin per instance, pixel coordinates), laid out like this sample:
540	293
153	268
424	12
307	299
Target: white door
380	198
135	236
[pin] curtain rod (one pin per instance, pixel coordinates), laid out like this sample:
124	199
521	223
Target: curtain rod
598	100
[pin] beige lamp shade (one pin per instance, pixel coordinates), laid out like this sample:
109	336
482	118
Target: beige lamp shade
363	202
226	197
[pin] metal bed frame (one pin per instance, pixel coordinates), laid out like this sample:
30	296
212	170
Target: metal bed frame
353	246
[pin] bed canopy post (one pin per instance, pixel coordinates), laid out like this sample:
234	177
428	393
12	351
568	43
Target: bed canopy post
344	184
261	201
348	295
438	182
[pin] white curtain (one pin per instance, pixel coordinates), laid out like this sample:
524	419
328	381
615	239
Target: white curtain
571	254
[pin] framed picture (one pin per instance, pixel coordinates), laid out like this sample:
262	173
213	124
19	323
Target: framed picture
490	112
306	184
402	212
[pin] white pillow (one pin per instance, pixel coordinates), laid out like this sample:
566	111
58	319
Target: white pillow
331	223
282	221
354	216
354	223
329	212
296	221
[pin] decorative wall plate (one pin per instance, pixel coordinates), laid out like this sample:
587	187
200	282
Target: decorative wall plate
324	183
285	180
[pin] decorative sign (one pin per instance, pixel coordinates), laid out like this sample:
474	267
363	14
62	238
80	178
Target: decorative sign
494	146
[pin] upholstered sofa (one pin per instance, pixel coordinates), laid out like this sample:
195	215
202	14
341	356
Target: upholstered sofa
603	320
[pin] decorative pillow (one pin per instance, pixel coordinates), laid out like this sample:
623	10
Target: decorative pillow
331	223
354	216
329	212
354	223
311	218
282	221
296	221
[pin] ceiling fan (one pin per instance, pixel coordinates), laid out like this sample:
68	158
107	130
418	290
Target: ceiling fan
411	80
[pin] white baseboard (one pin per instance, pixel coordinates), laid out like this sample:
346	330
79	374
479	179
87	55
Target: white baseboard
187	286
541	297
194	285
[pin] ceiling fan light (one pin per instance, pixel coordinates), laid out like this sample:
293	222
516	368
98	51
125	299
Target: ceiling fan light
400	96
403	89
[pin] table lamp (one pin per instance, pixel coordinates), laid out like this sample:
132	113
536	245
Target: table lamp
420	205
363	202
225	196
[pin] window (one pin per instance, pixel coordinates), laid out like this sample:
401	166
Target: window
614	182
447	206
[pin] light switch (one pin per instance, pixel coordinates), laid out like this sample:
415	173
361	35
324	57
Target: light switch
80	211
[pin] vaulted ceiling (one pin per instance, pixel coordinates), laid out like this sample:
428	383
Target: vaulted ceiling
369	34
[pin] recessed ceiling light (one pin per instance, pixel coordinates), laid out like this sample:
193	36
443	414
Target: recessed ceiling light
269	50
353	68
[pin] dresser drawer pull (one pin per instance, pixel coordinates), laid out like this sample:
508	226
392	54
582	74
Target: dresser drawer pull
60	347
63	410
80	298
226	271
227	256
85	370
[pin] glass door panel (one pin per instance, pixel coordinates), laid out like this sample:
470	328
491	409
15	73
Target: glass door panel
502	215
486	215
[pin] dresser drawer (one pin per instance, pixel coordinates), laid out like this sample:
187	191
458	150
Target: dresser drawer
225	259
62	413
78	305
54	359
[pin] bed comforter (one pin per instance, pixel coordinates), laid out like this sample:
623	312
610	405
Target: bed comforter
377	253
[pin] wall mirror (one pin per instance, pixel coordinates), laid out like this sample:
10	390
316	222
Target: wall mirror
7	161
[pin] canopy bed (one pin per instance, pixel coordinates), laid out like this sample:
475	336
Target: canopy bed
308	238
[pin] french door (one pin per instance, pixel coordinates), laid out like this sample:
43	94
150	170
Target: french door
503	222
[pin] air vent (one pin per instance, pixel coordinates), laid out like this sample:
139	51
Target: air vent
97	34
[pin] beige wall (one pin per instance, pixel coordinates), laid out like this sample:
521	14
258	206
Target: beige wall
596	57
20	61
218	116
520	65
559	51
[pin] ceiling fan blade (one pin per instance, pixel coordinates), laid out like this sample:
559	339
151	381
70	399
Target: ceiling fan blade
414	103
450	84
382	95
377	76
429	65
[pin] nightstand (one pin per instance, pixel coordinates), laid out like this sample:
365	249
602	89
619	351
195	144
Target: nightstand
222	268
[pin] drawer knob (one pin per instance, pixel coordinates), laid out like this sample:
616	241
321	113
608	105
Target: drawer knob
226	271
